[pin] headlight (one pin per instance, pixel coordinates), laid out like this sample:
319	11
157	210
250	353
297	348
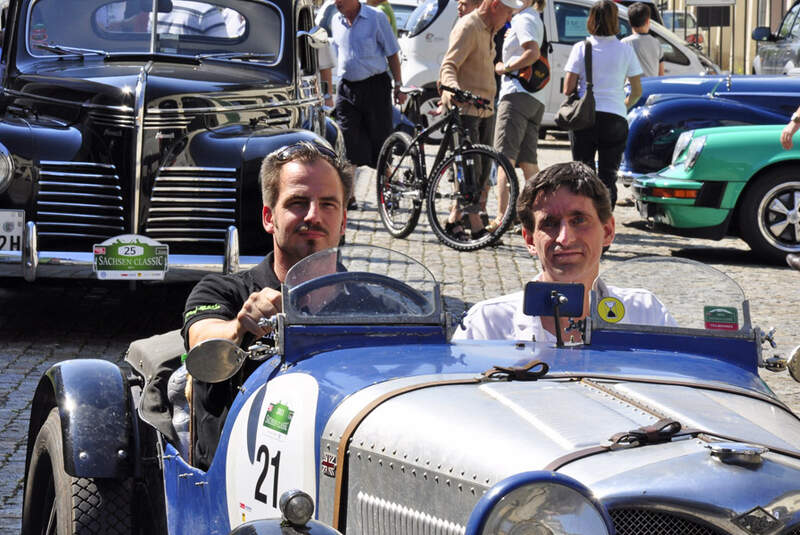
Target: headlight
539	503
423	16
695	148
6	168
683	141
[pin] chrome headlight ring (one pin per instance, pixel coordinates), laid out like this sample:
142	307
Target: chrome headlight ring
539	503
6	168
683	141
693	153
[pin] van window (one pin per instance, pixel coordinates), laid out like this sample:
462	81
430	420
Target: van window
671	54
571	23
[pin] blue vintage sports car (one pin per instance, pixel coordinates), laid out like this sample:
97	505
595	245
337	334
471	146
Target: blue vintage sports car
361	403
675	104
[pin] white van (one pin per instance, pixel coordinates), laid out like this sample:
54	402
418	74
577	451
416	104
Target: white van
422	49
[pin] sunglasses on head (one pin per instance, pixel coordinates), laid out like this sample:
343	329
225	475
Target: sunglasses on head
287	153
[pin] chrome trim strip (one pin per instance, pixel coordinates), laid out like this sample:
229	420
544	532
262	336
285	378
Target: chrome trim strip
78	194
77	164
193	230
30	253
53	100
225	180
79	185
294	103
74	235
76	175
192	209
231	262
61	224
183	219
81	205
141	85
185	199
167	239
82	216
187	189
177	169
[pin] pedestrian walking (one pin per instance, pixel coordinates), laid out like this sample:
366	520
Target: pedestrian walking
519	112
365	45
612	62
469	64
386	7
648	49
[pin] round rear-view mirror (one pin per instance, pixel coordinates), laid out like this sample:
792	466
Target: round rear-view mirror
214	360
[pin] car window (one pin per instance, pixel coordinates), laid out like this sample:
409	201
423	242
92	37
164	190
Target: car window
788	21
401	14
189	27
671	53
571	23
796	28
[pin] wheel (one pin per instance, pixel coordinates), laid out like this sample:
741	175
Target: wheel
59	504
444	196
398	188
769	216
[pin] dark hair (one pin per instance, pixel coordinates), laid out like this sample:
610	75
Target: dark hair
638	14
578	177
304	151
603	18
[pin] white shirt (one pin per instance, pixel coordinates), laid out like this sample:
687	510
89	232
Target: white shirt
502	318
612	62
526	26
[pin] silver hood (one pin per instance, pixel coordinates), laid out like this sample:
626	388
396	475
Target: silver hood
455	442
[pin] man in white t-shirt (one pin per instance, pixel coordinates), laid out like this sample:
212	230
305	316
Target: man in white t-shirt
648	49
566	222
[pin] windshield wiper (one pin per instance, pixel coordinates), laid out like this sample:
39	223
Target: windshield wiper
238	55
62	50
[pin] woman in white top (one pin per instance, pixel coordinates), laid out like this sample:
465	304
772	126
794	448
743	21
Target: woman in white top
612	62
519	112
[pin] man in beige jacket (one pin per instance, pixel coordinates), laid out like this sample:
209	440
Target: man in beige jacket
469	64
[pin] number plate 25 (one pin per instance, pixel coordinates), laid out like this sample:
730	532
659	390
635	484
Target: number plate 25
277	454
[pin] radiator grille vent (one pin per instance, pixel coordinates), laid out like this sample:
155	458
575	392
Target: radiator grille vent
381	516
116	119
192	204
646	522
79	200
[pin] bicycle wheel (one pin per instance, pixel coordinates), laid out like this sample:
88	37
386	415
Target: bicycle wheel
445	199
398	187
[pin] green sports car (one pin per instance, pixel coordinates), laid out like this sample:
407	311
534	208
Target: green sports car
729	181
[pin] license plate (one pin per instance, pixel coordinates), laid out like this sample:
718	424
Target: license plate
11	224
131	257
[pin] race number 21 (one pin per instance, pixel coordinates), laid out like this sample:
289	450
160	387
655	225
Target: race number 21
262	456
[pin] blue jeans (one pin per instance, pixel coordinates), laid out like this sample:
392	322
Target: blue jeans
606	138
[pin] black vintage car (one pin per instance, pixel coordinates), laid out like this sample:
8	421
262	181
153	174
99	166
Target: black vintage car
132	131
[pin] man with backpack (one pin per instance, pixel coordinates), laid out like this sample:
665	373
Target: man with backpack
521	100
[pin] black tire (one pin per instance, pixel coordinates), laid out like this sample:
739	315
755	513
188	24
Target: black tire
443	192
59	504
399	186
768	214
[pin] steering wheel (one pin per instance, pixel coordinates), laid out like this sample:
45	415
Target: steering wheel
361	277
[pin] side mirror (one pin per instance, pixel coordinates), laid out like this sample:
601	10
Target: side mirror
215	360
763	33
555	299
793	364
317	36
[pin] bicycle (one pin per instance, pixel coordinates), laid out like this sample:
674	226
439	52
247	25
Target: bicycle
453	188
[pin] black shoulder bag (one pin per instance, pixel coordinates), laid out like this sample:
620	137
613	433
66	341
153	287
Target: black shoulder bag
577	113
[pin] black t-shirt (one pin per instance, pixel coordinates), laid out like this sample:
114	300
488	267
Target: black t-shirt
220	296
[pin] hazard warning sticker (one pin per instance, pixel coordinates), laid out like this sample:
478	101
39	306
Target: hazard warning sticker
611	309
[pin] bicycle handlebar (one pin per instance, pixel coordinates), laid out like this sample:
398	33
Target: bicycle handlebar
464	96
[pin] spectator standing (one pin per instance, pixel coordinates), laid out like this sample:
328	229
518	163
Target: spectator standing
469	65
612	62
647	48
364	44
386	7
519	112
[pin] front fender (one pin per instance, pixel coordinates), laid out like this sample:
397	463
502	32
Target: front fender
93	400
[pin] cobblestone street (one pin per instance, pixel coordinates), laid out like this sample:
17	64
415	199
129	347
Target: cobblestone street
49	321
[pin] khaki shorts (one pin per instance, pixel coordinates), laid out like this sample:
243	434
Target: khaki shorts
516	132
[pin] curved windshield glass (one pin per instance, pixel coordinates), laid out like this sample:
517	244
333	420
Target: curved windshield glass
424	15
360	284
669	292
183	27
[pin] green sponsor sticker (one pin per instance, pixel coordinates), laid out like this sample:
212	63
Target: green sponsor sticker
721	318
131	257
278	417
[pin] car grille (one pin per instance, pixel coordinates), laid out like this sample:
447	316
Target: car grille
78	200
117	119
193	204
380	516
646	522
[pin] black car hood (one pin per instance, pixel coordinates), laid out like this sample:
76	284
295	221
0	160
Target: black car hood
112	83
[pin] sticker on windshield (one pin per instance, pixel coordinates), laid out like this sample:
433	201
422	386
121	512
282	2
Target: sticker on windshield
721	318
611	309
